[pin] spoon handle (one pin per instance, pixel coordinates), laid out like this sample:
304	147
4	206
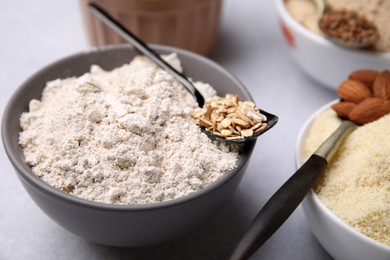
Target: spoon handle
321	6
283	203
142	47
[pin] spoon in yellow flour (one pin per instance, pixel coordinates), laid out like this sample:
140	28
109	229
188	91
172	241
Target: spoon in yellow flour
269	119
345	28
355	110
288	197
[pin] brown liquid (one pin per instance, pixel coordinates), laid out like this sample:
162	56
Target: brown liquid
187	24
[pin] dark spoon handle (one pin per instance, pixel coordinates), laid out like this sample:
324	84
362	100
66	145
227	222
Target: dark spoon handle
289	196
280	206
142	47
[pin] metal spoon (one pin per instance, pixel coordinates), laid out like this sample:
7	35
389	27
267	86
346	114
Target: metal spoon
323	9
283	203
142	47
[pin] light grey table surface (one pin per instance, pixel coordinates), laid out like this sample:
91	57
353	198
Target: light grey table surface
251	46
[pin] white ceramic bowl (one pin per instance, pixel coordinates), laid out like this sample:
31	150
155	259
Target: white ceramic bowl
338	238
322	60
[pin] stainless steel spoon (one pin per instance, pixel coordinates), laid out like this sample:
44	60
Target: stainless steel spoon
322	9
283	203
142	47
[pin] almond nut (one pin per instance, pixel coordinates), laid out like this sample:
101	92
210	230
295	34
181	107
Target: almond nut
381	85
365	76
370	110
343	109
353	91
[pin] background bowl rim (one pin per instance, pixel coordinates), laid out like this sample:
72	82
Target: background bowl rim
285	16
315	198
25	173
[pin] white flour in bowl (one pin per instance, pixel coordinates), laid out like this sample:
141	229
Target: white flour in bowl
122	137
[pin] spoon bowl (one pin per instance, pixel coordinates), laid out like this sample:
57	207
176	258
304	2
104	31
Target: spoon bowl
325	13
271	121
352	45
142	47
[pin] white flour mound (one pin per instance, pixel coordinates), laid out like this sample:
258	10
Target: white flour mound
122	137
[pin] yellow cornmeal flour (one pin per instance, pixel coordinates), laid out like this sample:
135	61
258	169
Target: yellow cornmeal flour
356	185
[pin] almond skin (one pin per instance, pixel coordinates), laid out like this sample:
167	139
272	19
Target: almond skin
381	85
370	110
343	109
365	76
353	91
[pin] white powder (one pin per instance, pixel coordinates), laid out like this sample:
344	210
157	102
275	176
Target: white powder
122	137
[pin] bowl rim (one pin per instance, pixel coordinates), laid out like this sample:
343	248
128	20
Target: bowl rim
26	174
315	198
285	16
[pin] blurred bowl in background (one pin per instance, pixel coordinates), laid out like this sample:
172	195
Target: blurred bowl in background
337	237
322	60
188	24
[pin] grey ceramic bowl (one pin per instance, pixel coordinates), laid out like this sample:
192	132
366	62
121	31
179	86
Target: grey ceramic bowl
121	225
